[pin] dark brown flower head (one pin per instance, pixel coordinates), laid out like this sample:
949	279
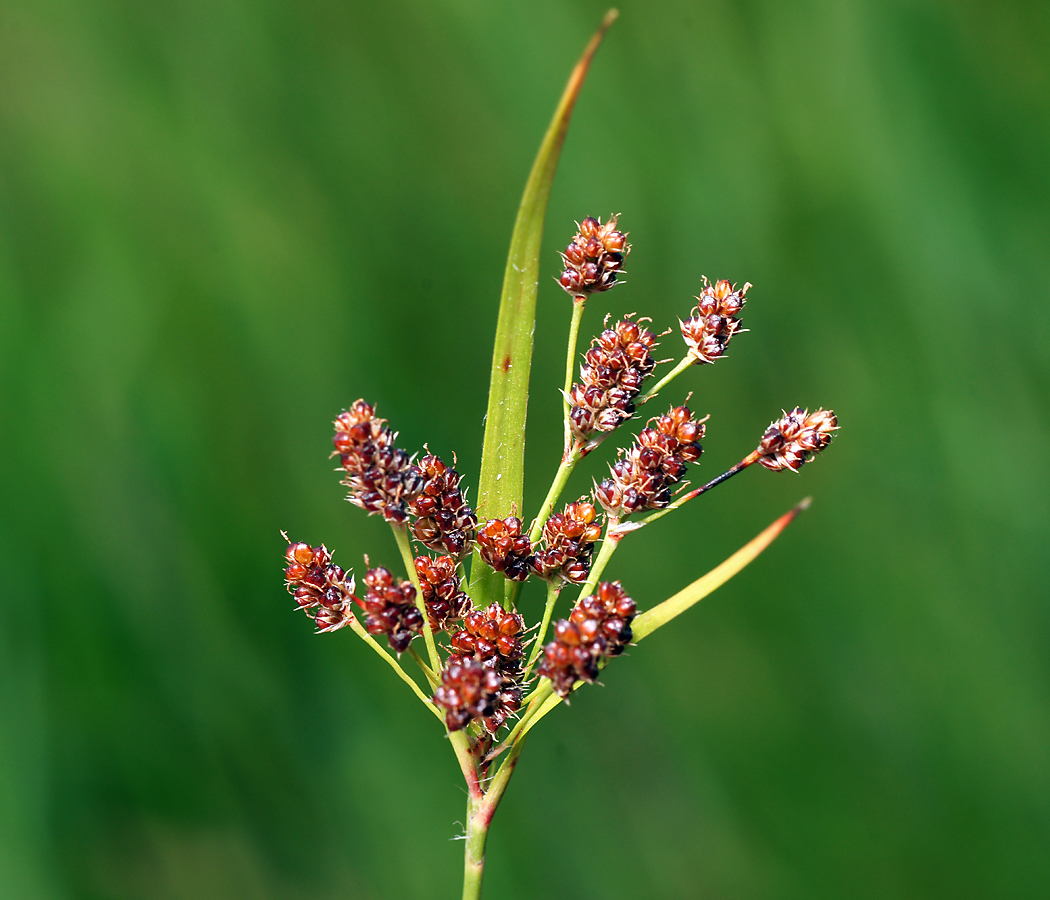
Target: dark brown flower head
599	627
505	548
611	377
646	471
472	690
391	608
795	438
321	588
594	257
439	583
568	543
714	320
381	477
444	522
492	636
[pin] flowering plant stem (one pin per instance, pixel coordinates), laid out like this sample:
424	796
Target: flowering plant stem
578	304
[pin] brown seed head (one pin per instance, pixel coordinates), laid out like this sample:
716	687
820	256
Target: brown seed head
714	320
472	690
594	257
568	543
444	522
320	588
439	583
505	548
391	608
795	438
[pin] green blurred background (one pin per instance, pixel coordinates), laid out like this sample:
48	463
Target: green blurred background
221	223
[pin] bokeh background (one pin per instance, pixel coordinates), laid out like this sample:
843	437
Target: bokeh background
222	222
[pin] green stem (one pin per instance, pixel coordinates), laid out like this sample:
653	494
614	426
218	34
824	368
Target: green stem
433	679
569	460
359	630
401	536
608	548
553	589
578	304
666	380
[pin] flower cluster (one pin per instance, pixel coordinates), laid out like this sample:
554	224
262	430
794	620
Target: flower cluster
594	257
482	678
444	522
714	320
439	583
381	477
792	440
503	546
391	608
320	588
643	476
568	542
611	377
598	628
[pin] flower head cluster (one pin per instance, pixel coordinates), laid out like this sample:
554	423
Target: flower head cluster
594	257
482	678
568	543
611	377
444	522
599	627
321	588
643	476
391	608
792	440
714	320
381	477
439	584
503	546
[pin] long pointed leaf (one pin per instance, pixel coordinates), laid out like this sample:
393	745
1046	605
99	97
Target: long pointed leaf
503	454
647	622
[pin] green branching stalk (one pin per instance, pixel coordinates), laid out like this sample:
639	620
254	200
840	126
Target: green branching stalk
578	303
503	452
666	380
359	630
573	454
553	590
401	536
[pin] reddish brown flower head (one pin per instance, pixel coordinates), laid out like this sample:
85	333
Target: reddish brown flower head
611	377
644	474
381	477
444	522
598	628
321	588
568	543
472	690
505	548
795	438
439	583
391	608
594	257
492	636
714	320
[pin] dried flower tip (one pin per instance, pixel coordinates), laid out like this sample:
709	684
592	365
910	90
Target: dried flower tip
505	548
611	377
568	539
444	522
644	474
714	320
795	438
598	628
439	584
391	608
381	477
320	588
471	690
594	257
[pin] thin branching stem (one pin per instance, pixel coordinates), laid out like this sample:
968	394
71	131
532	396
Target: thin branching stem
666	380
401	536
553	589
359	630
578	303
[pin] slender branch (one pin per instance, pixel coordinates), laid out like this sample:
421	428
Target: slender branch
359	630
433	679
578	304
608	548
569	460
666	380
553	589
401	536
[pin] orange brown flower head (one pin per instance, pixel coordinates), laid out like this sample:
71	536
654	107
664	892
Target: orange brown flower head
795	438
444	522
646	471
439	584
598	628
380	477
471	690
611	377
391	608
594	257
320	588
568	543
714	321
503	546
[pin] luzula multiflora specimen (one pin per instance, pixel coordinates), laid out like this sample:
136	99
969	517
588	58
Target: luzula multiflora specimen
484	672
